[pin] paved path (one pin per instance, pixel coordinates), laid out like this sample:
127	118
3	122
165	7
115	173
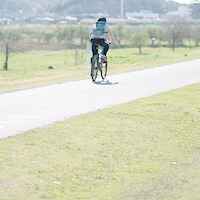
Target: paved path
29	109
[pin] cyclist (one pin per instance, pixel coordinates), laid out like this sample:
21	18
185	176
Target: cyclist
98	36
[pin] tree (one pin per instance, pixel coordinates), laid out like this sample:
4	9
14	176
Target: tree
173	32
195	34
83	34
153	34
9	38
139	39
119	32
70	33
48	37
60	34
188	33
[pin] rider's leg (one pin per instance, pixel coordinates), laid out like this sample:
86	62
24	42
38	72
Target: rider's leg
105	49
94	52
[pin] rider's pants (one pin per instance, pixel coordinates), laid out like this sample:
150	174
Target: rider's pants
96	43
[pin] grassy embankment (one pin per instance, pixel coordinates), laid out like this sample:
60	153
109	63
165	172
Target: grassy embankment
146	149
29	69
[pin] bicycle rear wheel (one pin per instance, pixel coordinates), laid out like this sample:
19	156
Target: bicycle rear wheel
94	71
104	70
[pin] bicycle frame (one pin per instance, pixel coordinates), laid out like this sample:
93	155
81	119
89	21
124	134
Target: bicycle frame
99	58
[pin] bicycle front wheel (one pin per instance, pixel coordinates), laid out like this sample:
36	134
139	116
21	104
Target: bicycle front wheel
104	70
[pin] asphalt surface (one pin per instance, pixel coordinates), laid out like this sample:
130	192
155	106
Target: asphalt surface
29	109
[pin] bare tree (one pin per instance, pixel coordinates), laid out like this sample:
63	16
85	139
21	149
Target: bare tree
9	38
173	32
196	35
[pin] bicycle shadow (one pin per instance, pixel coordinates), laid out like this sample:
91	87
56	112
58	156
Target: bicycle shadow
107	82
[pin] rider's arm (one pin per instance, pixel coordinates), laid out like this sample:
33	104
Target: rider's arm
110	34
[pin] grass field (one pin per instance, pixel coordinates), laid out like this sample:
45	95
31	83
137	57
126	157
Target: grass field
29	69
146	149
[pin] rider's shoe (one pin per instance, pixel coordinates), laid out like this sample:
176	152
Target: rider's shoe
104	58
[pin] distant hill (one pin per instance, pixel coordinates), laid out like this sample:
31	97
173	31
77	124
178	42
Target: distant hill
25	5
75	7
111	7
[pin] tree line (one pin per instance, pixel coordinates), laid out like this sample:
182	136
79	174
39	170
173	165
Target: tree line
173	34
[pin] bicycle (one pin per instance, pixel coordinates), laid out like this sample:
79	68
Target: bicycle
98	65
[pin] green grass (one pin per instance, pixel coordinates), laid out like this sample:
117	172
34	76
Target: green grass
146	149
29	69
